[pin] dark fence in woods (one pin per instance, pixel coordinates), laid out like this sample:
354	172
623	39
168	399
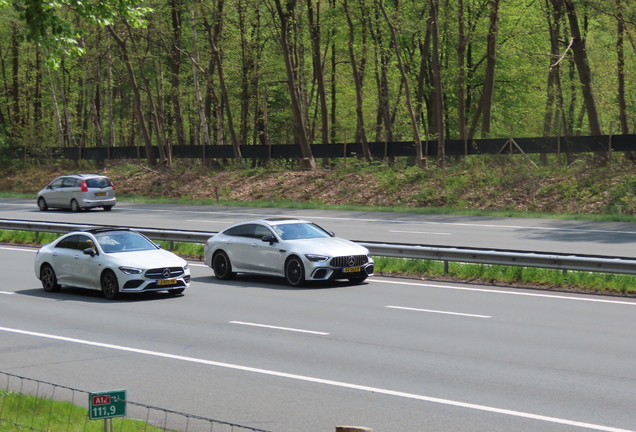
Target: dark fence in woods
379	150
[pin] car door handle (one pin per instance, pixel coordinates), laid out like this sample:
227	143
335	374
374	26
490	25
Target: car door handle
254	245
76	257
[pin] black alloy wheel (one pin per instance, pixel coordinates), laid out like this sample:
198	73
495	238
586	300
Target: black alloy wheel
48	278
42	204
110	286
107	208
222	266
294	271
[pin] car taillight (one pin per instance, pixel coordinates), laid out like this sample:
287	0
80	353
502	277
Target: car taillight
112	184
84	186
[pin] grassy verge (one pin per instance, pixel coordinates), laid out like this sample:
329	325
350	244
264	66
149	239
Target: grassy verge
20	412
609	283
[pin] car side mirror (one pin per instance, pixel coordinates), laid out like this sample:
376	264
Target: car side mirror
90	251
269	239
331	233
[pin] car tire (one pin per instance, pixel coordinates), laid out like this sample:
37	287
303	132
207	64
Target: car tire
176	291
49	279
107	208
222	266
294	271
357	279
42	204
75	207
110	285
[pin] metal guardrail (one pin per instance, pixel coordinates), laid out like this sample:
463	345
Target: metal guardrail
588	263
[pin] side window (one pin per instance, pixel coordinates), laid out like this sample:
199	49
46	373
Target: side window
241	231
260	231
69	242
56	183
68	182
84	242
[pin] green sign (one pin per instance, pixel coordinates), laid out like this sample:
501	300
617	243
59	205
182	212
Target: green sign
108	404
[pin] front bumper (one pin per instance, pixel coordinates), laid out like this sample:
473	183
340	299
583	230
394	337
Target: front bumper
142	284
324	273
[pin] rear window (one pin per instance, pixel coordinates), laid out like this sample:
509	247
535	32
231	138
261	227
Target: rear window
98	182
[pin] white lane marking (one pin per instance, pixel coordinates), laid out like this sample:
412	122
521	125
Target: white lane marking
595	300
312	217
340	384
196	265
278	328
439	312
6	292
420	232
211	221
18	249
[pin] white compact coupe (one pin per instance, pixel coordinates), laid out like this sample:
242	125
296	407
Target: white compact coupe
113	260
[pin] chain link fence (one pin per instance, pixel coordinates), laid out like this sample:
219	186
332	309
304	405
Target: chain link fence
31	405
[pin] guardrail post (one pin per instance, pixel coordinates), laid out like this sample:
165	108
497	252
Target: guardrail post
353	429
445	267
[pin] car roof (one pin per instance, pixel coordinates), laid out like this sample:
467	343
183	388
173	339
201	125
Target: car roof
82	176
272	221
104	230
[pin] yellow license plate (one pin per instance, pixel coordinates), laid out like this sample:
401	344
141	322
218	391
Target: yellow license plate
351	269
167	282
100	194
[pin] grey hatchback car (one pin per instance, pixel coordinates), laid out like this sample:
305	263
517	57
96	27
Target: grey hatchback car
78	192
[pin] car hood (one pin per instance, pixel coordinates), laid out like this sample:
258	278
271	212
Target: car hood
333	246
147	259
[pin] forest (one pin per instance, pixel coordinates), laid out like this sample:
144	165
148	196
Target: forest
157	74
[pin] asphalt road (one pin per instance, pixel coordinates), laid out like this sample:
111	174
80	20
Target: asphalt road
540	235
390	354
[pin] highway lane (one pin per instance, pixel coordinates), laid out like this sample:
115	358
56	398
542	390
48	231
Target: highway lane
541	235
391	354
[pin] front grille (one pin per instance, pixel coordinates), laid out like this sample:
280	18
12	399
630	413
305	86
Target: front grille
348	261
157	273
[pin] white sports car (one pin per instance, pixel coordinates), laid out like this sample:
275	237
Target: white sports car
111	260
296	249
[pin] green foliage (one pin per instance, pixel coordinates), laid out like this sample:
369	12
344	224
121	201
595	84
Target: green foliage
23	412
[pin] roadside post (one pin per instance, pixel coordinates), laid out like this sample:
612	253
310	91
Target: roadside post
106	405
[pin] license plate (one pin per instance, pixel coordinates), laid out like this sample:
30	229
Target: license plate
167	282
100	194
351	270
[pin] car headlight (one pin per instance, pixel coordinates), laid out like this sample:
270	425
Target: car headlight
316	258
185	267
130	270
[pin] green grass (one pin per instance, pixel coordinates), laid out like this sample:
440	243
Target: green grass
20	412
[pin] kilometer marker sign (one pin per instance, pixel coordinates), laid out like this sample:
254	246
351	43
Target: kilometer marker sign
107	404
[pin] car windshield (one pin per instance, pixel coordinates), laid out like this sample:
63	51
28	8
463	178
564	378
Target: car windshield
98	182
294	231
118	241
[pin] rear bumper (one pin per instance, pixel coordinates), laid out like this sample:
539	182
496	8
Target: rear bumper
109	202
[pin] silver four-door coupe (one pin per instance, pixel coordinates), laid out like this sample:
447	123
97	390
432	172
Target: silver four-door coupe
296	249
113	260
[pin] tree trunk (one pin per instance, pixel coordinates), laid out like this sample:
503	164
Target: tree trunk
361	132
416	132
176	9
195	77
583	69
292	82
150	157
438	91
